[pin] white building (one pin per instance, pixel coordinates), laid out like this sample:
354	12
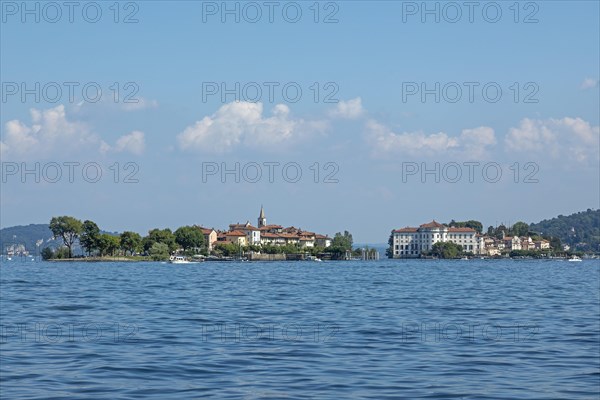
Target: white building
411	242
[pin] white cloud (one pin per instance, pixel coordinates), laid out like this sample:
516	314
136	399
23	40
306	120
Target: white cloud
243	124
471	142
475	142
142	104
133	143
589	83
49	131
350	109
52	134
568	137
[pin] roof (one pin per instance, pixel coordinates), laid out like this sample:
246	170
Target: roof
319	236
432	224
235	233
406	230
461	230
267	227
262	212
268	235
245	226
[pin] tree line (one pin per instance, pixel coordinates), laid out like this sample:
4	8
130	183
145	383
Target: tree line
158	244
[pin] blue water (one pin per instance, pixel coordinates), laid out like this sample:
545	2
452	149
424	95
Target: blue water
333	330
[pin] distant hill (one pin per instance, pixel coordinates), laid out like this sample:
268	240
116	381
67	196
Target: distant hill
581	230
26	235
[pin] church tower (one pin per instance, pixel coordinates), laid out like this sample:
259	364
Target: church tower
262	221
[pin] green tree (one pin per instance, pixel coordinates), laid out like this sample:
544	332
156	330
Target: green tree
340	244
47	253
108	244
227	249
68	229
130	241
389	252
89	236
189	237
520	229
159	251
556	244
164	236
478	226
446	250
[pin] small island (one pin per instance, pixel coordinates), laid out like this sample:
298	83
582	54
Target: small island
242	241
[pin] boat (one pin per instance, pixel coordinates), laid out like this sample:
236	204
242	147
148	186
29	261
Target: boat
574	259
465	258
180	260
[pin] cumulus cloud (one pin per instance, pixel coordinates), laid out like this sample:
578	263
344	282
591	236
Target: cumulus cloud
50	130
589	83
243	124
133	143
142	104
470	143
568	137
350	109
52	133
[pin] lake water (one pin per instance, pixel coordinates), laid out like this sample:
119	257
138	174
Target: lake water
478	329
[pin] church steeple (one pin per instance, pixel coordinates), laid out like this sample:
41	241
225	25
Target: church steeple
262	220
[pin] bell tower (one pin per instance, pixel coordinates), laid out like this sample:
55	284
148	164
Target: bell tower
262	220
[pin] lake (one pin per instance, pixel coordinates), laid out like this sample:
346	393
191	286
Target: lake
477	329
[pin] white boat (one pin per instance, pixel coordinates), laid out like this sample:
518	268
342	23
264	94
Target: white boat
180	260
465	258
574	259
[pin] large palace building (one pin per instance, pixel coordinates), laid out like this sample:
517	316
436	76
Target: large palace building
411	242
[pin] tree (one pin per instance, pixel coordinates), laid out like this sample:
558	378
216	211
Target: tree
89	236
478	226
501	231
68	229
130	241
189	237
108	244
47	253
389	252
159	252
341	243
446	250
164	236
520	229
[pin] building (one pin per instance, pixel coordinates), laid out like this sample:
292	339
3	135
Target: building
512	243
210	236
252	233
236	237
266	234
262	220
411	242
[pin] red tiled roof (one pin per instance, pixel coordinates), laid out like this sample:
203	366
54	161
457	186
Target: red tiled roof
406	230
269	235
235	233
432	224
461	230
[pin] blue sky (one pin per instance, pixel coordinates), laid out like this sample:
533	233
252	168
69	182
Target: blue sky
370	132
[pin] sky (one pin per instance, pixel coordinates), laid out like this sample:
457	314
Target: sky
363	116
